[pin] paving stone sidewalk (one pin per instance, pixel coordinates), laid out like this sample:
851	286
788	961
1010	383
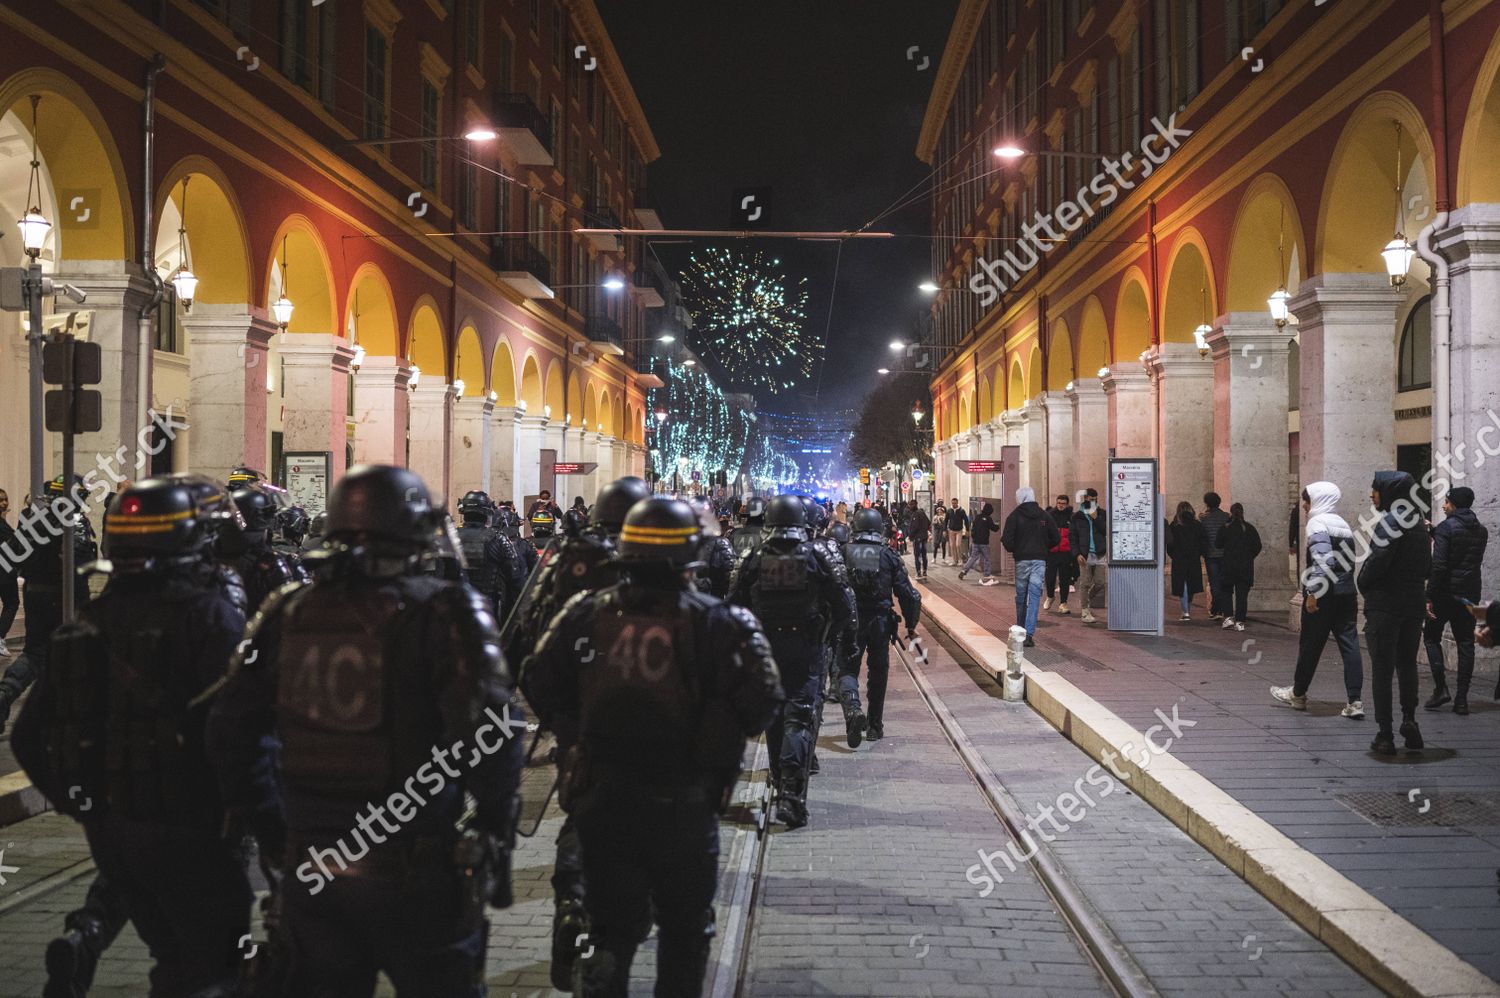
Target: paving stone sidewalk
1420	832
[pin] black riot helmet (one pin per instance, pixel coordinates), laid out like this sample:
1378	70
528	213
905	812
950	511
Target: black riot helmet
816	515
754	510
382	502
256	505
245	476
708	520
868	521
660	532
215	508
785	517
476	506
292	521
615	501
154	521
318	529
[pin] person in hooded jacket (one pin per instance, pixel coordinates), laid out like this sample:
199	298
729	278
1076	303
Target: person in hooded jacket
1029	535
1241	543
1330	607
1393	580
979	550
1186	542
1458	545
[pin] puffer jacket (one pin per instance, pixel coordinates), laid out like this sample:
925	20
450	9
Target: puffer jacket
1330	565
1213	520
1458	545
1393	578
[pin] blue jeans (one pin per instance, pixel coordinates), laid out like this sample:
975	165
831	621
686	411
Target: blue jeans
1029	578
979	554
919	555
1218	588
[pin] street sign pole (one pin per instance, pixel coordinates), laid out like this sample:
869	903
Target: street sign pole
68	386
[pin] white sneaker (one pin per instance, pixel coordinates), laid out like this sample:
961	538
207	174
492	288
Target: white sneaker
1088	617
4	651
1064	610
1228	623
1186	616
1354	710
1047	603
1285	695
1238	626
989	582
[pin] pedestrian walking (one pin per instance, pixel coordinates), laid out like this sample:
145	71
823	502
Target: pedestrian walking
958	533
918	527
1060	558
1330	607
1214	520
979	549
10	595
1241	543
1458	545
939	532
1186	543
1088	536
1393	580
1029	536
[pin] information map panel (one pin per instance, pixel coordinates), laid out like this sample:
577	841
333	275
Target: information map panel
306	476
1133	522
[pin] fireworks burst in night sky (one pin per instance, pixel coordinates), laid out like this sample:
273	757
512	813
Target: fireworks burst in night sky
751	318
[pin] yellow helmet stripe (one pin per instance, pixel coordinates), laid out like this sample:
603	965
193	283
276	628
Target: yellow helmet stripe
628	538
121	519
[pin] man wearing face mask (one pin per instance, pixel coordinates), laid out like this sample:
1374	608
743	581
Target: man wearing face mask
1088	539
1393	581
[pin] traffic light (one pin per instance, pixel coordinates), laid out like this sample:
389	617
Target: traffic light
72	363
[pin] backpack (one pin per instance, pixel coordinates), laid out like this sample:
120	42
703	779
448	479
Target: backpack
1061	547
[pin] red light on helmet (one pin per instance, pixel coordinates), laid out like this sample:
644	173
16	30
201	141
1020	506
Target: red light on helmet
130	505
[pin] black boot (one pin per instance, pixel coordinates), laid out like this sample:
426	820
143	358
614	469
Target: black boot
812	765
72	958
791	808
1412	734
569	923
9	694
1439	697
854	724
1461	704
1384	743
877	731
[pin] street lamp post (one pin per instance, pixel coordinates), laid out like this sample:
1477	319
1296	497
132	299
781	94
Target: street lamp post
34	228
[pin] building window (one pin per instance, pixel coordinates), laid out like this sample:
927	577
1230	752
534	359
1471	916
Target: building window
474	32
308	47
1243	21
468	204
560	36
1053	26
1414	364
377	73
1175	26
432	104
507	66
1031	82
536	16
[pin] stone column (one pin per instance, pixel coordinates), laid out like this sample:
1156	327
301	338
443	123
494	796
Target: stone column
526	477
1472	245
315	414
635	460
227	374
1250	439
471	443
1090	435
382	390
1033	446
117	291
1347	336
431	436
503	454
1182	392
1061	457
1127	390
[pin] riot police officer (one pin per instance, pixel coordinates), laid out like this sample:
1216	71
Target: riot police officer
717	557
291	532
114	737
263	570
316	531
833	640
359	712
793	589
225	527
654	703
583	563
509	523
244	476
748	535
543	516
877	574
494	567
41	568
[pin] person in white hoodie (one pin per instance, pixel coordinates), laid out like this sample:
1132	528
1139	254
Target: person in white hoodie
1330	605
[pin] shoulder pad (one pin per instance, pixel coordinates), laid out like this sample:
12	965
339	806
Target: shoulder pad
743	617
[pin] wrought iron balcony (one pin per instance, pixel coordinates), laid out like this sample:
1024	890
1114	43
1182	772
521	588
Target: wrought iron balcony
523	128
604	334
521	265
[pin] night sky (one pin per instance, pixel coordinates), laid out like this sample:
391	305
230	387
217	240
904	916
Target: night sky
817	100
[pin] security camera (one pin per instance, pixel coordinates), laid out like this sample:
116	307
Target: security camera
73	294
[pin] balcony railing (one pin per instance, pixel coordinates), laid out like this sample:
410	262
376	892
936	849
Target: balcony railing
524	128
650	288
521	264
602	216
644	208
604	333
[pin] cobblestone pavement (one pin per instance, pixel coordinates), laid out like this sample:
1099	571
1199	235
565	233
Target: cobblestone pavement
1434	865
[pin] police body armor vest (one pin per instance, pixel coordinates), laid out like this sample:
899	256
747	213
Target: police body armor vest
482	574
125	736
868	573
781	594
746	539
349	698
640	689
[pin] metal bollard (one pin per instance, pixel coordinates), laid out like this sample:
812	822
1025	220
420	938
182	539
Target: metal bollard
1015	656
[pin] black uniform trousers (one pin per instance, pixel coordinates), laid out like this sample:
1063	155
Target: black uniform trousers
1449	612
187	895
872	638
1393	639
647	849
799	654
43	616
